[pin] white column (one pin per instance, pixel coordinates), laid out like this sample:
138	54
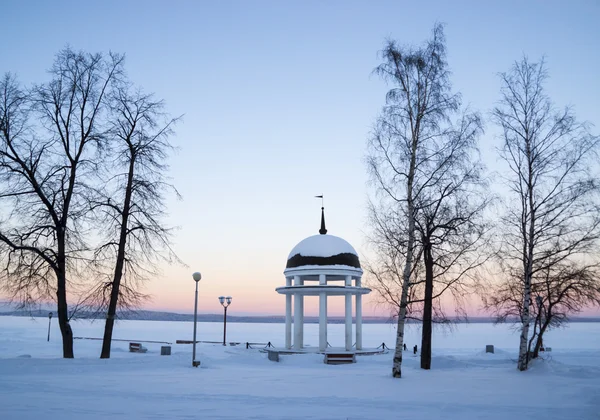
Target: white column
322	321
288	321
348	320
298	317
358	315
358	322
288	315
322	314
301	281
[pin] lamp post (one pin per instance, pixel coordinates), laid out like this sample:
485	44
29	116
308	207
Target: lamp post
196	276
49	321
225	302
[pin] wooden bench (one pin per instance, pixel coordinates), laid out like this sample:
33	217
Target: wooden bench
339	358
137	348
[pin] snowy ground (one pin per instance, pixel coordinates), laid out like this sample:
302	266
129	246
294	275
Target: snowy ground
232	383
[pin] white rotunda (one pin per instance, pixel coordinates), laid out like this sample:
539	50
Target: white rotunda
322	265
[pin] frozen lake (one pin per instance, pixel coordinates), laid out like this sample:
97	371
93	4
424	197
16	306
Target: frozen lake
459	338
235	383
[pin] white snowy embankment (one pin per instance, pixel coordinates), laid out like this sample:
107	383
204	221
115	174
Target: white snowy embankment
235	383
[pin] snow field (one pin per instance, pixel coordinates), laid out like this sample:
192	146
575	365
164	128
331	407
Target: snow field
236	383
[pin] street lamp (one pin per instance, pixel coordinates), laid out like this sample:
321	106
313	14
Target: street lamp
49	320
225	302
196	276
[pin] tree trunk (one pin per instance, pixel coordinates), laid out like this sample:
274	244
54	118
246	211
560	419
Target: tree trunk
538	343
61	300
523	353
397	364
528	245
523	344
118	274
65	327
427	308
410	245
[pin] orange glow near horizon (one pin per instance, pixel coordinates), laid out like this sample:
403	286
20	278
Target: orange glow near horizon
176	294
261	306
252	280
259	298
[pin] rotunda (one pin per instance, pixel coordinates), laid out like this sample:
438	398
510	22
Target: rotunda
322	265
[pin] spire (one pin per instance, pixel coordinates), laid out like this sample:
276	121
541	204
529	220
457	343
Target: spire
322	231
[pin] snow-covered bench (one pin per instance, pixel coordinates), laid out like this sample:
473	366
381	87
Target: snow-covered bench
137	348
339	358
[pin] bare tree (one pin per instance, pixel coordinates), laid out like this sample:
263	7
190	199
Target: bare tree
451	233
553	216
416	115
449	218
560	291
131	207
49	137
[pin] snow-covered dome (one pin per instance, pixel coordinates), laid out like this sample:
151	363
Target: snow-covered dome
323	249
322	246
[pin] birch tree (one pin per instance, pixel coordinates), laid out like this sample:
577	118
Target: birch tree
552	216
451	232
416	112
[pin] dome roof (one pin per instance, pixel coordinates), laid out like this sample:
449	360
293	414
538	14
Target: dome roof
323	250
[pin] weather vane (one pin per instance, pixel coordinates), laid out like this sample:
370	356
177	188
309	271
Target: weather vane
322	199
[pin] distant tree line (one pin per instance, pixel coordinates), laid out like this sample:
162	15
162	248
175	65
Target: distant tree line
82	189
530	249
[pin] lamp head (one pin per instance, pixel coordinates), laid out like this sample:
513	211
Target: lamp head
228	298
197	276
222	299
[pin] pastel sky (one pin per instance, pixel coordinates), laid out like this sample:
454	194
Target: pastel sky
278	101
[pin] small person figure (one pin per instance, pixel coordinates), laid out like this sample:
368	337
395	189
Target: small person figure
404	346
415	349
